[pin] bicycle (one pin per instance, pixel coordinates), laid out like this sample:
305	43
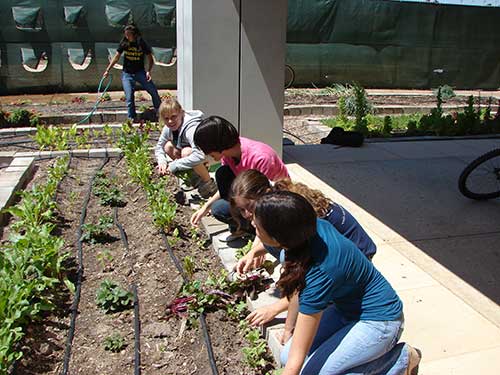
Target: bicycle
480	180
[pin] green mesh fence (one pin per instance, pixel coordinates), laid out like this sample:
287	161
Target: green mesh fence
65	45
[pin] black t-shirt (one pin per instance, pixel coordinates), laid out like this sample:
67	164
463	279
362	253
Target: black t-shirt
133	55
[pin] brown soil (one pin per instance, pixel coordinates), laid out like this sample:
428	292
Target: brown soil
65	104
166	346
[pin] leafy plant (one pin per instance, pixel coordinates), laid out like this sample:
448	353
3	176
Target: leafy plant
139	96
189	266
94	233
352	101
241	252
387	128
51	137
174	236
105	97
105	258
112	298
30	265
80	99
114	343
163	207
108	131
82	139
23	117
362	108
107	191
446	92
4	119
254	354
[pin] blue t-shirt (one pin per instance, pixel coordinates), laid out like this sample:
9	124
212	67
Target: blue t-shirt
341	274
348	226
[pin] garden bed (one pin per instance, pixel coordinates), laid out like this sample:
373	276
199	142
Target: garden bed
167	345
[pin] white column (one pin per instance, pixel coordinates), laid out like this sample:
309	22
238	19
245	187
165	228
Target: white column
231	57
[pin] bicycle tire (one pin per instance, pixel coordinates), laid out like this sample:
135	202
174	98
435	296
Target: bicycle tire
289	76
487	168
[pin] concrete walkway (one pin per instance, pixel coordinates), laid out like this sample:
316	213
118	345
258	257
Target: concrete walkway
439	250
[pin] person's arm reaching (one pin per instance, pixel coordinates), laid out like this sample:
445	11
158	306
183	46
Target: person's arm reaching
151	63
291	318
267	313
197	216
248	262
112	63
305	331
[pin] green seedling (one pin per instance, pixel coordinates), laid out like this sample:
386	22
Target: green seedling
114	343
189	266
73	197
94	233
108	131
174	237
107	192
105	258
105	97
112	298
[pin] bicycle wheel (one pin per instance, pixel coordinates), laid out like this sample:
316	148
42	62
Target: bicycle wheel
481	178
289	76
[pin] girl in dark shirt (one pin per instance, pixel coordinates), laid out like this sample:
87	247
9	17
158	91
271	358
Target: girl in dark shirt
134	49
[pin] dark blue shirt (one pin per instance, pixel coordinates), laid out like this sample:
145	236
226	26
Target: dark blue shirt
341	274
348	226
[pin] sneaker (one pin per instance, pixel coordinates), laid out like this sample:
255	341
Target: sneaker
414	356
207	189
233	236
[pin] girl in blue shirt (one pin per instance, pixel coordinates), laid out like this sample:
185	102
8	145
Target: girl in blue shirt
349	318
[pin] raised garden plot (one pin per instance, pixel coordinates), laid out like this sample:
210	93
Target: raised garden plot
116	332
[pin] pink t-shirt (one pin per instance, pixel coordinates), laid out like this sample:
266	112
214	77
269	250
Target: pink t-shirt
259	156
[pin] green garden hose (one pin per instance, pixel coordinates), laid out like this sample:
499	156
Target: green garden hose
99	97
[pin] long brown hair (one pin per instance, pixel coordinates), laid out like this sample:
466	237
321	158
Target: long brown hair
320	203
250	184
290	219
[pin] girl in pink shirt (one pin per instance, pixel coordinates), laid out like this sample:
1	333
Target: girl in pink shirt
217	137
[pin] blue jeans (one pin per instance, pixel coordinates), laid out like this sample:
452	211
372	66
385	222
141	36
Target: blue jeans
128	82
360	347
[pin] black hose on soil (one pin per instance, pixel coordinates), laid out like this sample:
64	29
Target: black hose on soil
203	323
76	299
137	333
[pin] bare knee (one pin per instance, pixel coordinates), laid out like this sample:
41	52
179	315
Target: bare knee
186	151
170	150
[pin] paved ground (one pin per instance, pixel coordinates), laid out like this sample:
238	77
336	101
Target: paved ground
440	250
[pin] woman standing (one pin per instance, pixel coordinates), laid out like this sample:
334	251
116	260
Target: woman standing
349	317
135	49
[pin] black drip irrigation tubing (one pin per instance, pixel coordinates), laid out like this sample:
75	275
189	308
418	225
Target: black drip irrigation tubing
137	332
203	322
76	299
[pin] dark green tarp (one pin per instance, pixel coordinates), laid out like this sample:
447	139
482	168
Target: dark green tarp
27	18
377	43
72	14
